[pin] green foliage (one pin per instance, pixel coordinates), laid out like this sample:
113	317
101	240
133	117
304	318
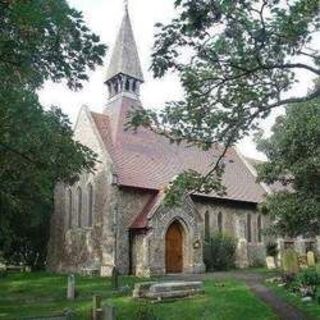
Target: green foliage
305	283
290	263
219	252
42	40
190	181
39	41
272	249
244	55
308	277
145	312
294	163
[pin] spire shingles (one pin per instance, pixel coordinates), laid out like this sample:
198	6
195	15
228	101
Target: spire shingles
125	58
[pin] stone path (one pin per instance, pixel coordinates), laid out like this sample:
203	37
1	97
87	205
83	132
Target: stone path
282	309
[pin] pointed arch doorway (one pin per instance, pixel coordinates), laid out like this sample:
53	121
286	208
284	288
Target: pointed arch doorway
174	248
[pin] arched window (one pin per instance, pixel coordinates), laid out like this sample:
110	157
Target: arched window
207	225
134	86
90	204
79	192
116	87
220	222
127	85
70	208
249	235
259	227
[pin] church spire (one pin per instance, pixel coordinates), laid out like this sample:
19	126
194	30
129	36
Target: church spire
124	71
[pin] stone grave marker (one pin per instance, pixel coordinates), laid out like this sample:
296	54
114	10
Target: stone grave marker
109	312
97	313
167	290
71	287
290	262
271	264
311	259
303	264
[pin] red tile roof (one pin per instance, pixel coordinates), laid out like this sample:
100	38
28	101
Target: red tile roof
147	160
141	220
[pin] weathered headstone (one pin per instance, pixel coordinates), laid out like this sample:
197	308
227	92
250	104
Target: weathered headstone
96	301
115	279
167	290
302	260
311	259
290	262
97	313
271	264
71	287
109	312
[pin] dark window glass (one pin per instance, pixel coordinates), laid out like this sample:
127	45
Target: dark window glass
70	209
220	222
90	205
249	235
207	225
79	206
259	226
127	85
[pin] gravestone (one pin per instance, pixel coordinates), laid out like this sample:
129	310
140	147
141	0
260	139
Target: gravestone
96	308
303	264
311	259
271	264
71	287
109	312
290	262
3	267
167	290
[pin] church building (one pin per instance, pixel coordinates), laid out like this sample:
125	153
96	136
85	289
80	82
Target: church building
115	217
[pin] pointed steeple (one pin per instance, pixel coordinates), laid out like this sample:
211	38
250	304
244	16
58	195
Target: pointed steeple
124	63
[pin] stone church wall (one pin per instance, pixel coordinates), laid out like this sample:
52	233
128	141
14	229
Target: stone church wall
234	223
106	243
72	248
127	203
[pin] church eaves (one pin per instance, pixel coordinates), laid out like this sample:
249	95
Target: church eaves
125	59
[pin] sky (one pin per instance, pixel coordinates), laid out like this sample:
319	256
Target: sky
104	18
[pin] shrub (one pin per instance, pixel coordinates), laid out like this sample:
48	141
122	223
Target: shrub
308	277
219	252
3	273
289	280
307	282
272	249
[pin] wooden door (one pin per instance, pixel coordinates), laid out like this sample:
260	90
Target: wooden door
174	248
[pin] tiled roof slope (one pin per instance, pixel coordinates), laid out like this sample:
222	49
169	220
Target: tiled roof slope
147	160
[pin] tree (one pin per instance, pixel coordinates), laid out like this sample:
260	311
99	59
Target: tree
39	40
293	151
237	60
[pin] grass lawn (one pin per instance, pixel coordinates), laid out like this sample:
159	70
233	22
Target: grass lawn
23	295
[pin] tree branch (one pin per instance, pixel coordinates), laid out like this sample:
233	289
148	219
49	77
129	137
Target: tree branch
311	96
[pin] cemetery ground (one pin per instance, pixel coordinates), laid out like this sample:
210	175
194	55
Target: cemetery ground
34	294
228	295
